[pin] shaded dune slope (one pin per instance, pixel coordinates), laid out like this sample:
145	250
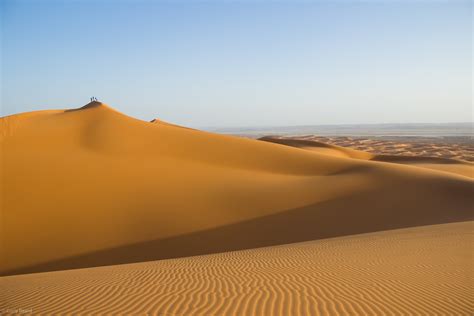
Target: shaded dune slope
95	187
414	271
459	167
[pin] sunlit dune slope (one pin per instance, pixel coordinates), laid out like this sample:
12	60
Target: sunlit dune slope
158	121
459	167
414	271
92	186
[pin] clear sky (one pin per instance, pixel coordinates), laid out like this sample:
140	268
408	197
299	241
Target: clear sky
242	63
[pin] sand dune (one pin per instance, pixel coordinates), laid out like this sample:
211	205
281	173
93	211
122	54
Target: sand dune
416	271
455	166
91	186
452	147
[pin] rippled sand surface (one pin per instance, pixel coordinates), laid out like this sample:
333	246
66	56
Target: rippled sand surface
417	271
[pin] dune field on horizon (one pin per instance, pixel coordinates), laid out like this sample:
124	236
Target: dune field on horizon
103	213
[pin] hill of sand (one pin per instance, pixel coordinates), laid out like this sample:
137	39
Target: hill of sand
414	271
91	186
464	168
453	147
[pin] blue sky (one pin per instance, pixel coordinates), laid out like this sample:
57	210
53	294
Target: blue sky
242	63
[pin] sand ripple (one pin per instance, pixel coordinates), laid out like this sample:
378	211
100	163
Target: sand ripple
416	271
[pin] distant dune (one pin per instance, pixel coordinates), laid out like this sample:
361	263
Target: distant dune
414	271
91	186
459	167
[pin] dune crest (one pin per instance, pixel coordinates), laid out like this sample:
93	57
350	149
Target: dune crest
92	186
91	105
158	121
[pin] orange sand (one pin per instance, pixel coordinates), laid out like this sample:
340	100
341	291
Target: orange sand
459	148
415	271
91	187
460	167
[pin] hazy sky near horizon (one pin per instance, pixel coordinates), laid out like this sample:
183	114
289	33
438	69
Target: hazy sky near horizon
242	63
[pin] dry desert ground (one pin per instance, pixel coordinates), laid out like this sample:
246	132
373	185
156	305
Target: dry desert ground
104	214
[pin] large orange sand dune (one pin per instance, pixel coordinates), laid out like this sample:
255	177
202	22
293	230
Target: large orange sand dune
92	186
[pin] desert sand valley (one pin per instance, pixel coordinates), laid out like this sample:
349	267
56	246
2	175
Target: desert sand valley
105	214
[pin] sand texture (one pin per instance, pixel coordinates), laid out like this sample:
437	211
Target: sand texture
458	148
91	187
416	271
379	151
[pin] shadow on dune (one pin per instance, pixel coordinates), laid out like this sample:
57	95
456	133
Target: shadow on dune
364	212
417	159
295	142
